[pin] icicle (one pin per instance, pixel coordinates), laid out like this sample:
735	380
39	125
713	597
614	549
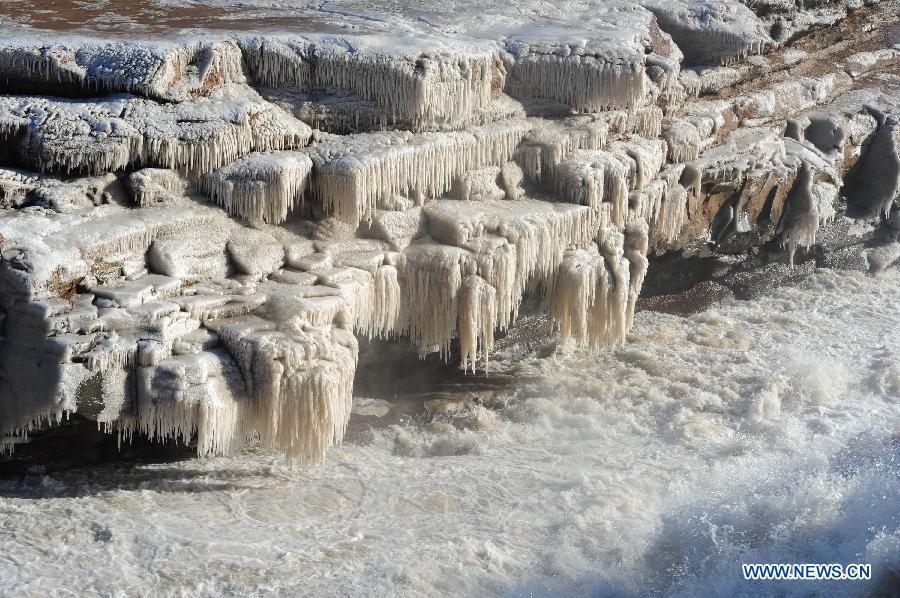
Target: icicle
113	353
15	185
671	216
218	423
665	73
386	312
431	278
279	62
645	121
481	184
358	289
477	315
636	245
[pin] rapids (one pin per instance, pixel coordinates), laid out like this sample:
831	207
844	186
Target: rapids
756	431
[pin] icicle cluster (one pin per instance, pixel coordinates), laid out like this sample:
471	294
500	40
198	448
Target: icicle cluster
386	314
593	293
422	90
549	142
585	83
352	174
291	389
260	187
477	320
299	379
662	204
507	247
591	177
682	139
644	158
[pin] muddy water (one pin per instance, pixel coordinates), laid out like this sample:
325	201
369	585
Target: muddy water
123	17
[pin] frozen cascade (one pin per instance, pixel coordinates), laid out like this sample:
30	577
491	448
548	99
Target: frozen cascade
385	320
299	378
113	133
431	279
190	394
662	204
646	157
550	142
636	245
683	140
514	245
672	214
168	71
197	260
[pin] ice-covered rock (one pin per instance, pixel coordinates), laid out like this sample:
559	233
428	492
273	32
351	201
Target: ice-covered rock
166	70
185	257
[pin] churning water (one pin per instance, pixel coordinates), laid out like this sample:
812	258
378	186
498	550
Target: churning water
760	431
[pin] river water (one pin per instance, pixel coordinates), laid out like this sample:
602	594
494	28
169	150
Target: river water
758	431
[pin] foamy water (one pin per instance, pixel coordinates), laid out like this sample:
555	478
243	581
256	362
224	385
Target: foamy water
763	431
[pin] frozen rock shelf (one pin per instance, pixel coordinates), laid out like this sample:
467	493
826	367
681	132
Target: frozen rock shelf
197	229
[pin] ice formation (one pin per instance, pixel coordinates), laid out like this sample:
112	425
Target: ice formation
260	187
195	232
353	173
422	90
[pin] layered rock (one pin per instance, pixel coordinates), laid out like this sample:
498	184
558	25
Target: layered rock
195	234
